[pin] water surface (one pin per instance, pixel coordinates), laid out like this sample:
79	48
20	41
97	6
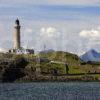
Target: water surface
50	91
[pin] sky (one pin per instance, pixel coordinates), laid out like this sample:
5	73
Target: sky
67	25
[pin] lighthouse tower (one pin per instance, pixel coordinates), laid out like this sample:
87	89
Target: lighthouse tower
16	43
17	49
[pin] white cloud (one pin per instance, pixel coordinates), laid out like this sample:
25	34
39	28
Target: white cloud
49	32
90	34
91	38
28	30
51	36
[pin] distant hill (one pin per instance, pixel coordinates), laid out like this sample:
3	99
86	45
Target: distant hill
91	55
47	51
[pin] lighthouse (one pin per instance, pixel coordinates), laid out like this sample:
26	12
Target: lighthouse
16	42
17	48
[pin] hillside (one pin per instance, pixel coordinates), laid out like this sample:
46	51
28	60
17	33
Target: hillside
44	66
69	58
76	65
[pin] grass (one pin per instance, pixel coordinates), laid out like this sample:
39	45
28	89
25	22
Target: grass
74	70
97	75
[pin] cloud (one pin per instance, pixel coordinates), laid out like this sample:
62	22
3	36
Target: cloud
51	37
90	34
49	32
53	2
28	30
90	38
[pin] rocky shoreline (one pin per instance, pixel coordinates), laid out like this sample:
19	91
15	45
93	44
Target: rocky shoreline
50	78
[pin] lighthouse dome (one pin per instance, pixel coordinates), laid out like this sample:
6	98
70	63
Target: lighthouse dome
17	22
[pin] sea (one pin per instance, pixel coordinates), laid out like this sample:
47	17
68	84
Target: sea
50	91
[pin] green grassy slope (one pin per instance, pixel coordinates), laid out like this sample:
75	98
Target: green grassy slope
72	60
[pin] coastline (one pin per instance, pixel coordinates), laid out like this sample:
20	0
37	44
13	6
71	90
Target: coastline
52	78
42	78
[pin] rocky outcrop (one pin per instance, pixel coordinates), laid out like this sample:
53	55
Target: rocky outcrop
10	70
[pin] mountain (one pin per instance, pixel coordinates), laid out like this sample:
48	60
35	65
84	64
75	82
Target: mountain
91	55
